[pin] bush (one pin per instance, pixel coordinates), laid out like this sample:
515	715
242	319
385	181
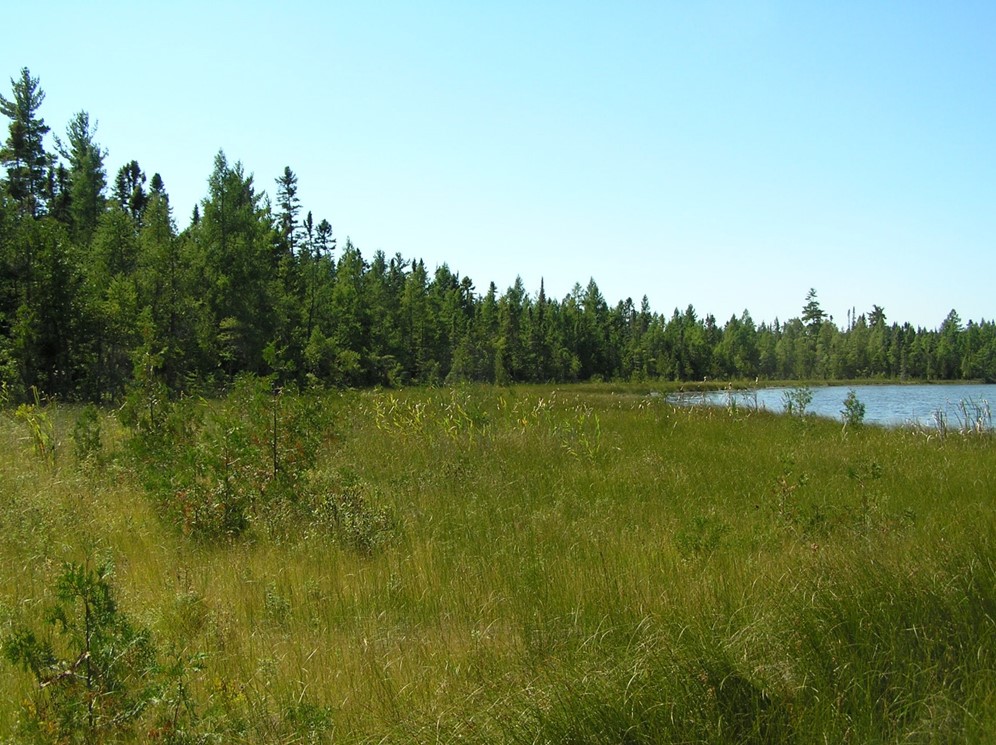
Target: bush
853	412
96	675
797	400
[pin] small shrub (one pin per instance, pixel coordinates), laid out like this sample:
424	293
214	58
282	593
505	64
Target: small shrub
864	475
796	400
340	510
853	412
96	675
176	719
218	470
276	608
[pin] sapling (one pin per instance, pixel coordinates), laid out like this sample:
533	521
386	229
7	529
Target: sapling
95	670
796	401
854	410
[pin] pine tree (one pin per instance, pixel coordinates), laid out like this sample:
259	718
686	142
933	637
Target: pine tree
24	154
510	347
87	177
112	300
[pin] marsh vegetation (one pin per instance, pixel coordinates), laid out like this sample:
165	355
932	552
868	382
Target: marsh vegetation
490	565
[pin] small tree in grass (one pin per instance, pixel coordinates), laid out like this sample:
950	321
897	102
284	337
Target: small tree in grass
796	401
853	412
95	670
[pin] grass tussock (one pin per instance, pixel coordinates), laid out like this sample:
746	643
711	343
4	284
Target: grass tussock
500	565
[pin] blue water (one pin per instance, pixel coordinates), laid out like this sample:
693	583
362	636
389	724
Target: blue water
888	405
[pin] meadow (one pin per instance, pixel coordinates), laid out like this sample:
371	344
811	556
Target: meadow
583	564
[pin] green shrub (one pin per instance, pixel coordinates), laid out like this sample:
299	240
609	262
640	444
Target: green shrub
853	412
95	670
796	400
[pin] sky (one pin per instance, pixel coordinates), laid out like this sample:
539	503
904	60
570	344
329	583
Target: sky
724	155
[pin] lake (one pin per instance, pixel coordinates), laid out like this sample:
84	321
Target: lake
887	405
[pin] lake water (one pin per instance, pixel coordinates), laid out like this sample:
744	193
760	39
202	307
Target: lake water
888	405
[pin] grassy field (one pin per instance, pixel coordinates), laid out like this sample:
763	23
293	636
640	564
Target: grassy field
496	565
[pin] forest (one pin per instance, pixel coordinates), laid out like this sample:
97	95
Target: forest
98	286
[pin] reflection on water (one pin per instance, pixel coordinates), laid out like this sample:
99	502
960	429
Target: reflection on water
958	406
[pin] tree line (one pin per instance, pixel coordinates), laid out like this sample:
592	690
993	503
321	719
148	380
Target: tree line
99	288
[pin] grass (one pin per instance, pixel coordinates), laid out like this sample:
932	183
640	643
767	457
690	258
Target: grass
546	565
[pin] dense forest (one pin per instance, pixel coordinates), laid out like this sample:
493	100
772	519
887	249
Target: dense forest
98	287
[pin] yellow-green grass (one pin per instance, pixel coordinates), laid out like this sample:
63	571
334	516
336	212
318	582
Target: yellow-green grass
587	565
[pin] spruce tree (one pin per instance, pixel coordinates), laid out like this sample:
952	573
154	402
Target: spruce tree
812	314
324	242
129	190
290	206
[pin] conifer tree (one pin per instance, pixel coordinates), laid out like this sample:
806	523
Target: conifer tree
324	242
23	154
157	186
129	190
163	289
812	314
233	241
87	177
290	206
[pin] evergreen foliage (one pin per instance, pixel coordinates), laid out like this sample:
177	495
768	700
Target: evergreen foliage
95	673
23	154
87	177
91	287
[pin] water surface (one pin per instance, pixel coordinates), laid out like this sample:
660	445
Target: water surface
888	405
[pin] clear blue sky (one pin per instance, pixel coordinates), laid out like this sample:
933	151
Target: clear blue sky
728	155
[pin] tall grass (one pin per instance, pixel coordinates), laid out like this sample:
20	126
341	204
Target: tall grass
548	565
